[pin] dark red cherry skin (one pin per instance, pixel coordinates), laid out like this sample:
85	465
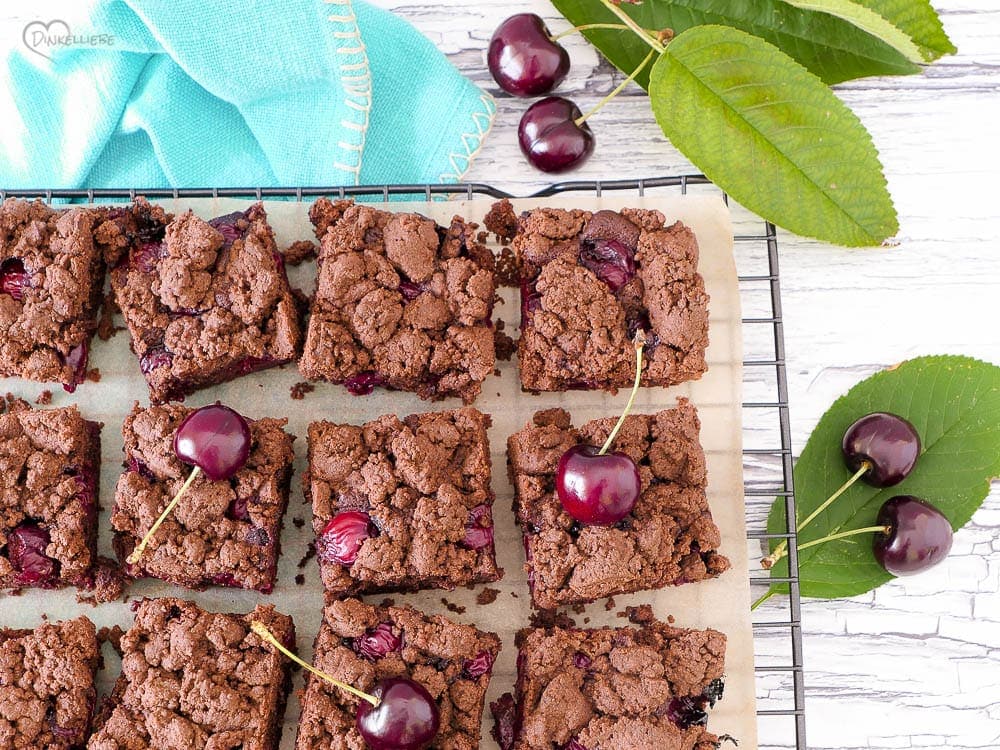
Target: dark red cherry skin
920	537
407	717
550	138
377	642
598	490
26	545
14	278
214	438
341	539
887	442
523	58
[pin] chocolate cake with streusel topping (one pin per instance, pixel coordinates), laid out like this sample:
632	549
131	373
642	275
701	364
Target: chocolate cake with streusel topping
401	505
224	533
51	279
668	538
590	281
613	689
360	645
204	301
400	302
197	679
47	691
49	469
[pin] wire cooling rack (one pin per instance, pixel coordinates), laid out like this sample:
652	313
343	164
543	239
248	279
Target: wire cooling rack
767	452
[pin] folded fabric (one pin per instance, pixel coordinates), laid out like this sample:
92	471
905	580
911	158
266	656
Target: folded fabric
187	93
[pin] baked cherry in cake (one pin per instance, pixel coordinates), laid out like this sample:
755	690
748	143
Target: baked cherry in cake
400	303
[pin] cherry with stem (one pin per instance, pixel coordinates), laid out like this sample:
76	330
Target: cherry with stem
216	441
881	449
594	486
399	713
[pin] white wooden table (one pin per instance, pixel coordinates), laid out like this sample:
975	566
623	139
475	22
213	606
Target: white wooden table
916	664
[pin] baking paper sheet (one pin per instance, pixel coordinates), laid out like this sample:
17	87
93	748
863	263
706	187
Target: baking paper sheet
722	604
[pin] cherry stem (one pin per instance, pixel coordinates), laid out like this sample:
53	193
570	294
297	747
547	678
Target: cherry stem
588	27
617	90
851	532
261	629
137	552
779	551
639	341
630	22
770	592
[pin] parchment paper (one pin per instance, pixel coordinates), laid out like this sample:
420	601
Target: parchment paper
722	604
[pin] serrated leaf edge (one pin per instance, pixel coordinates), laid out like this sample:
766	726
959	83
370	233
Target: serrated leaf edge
868	21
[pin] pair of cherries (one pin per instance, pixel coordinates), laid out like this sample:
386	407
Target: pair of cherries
910	535
526	60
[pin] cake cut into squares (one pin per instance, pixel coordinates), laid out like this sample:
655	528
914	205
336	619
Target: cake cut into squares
50	463
668	538
361	644
402	505
197	679
51	280
590	281
47	691
584	689
400	302
204	301
224	533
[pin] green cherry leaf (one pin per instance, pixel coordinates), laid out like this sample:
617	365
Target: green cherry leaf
917	19
868	20
954	404
772	135
832	48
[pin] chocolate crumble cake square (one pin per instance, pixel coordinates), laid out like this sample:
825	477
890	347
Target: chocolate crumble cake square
224	533
51	279
361	644
590	281
609	688
400	302
47	691
668	538
402	505
49	470
197	679
204	301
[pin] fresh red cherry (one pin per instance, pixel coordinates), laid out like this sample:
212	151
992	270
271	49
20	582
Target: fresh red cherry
597	489
14	278
888	444
406	718
214	438
550	137
523	57
919	536
342	537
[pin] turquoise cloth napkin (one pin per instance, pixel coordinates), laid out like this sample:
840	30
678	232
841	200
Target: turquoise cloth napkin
196	93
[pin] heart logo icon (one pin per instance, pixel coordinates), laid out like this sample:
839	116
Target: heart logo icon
41	37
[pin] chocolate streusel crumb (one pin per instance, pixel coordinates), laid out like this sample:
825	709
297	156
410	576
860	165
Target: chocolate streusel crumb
361	644
669	538
299	390
228	533
224	686
502	220
590	281
647	687
487	596
400	302
424	482
299	252
44	398
47	691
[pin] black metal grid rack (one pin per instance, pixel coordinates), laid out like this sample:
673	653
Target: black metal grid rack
767	467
